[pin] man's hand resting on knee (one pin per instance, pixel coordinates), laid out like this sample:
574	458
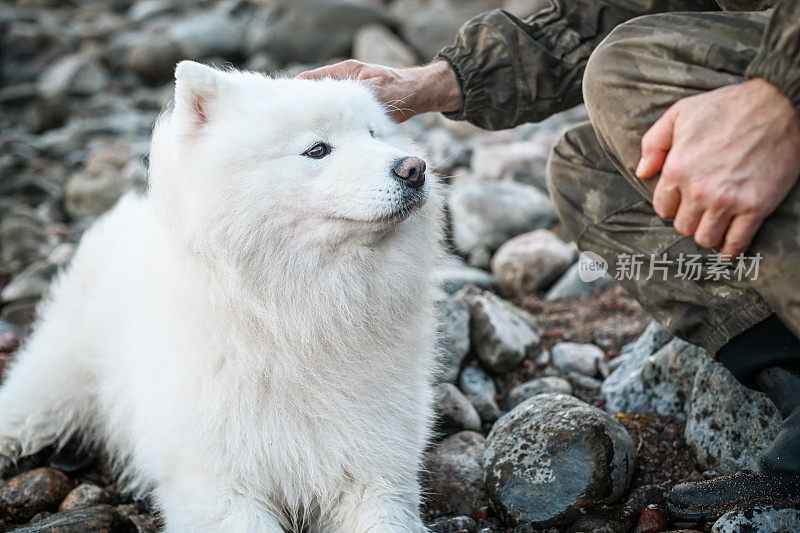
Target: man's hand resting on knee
406	91
727	159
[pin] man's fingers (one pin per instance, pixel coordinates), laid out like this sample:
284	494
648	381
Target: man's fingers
687	218
655	145
740	234
343	69
710	231
666	200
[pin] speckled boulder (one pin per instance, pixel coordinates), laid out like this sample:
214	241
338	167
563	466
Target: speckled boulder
728	424
554	456
758	519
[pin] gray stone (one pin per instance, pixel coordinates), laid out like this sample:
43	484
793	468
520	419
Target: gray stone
524	162
308	31
486	214
452	339
454	275
570	285
430	26
31	283
531	262
656	375
728	424
454	474
78	74
529	389
582	381
208	34
454	410
479	389
553	456
102	182
574	357
375	43
22	239
760	519
152	57
501	338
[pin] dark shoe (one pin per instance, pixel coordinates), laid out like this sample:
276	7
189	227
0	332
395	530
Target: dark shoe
706	501
759	359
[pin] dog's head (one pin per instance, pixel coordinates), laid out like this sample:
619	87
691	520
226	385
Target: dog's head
244	159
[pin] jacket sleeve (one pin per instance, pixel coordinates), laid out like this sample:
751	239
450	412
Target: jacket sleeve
778	61
513	71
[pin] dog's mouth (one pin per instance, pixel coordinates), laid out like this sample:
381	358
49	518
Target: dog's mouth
408	207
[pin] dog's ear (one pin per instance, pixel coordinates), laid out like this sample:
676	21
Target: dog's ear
197	91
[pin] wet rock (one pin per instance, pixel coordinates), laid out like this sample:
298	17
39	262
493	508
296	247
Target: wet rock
529	389
574	357
570	284
454	479
31	492
655	376
454	275
531	262
500	338
309	31
479	389
96	519
728	424
31	283
85	495
758	519
653	519
377	44
452	339
487	214
457	524
454	410
553	456
77	74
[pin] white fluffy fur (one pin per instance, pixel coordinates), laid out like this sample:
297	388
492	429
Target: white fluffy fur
252	341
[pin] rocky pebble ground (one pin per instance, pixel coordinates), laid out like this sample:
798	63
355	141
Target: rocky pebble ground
561	407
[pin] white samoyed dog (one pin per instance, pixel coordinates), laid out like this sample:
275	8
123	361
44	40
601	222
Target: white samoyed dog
252	342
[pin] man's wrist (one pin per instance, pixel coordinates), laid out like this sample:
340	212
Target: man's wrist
439	88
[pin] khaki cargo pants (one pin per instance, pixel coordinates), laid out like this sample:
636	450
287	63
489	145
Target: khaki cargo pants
641	68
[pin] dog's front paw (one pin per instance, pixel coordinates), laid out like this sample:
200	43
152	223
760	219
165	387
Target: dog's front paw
10	450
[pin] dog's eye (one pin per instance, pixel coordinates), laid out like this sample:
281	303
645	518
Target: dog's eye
318	151
371	132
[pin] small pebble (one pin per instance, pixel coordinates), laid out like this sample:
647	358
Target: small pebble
653	519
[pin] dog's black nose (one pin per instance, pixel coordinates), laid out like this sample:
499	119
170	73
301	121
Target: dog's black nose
411	171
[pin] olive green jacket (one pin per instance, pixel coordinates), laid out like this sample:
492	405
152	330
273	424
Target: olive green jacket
513	71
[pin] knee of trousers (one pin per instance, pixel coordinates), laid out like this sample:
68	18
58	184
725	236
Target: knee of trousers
569	182
616	88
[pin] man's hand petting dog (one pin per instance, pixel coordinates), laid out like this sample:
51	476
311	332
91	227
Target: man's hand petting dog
406	91
727	159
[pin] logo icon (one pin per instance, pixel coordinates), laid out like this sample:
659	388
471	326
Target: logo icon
591	267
